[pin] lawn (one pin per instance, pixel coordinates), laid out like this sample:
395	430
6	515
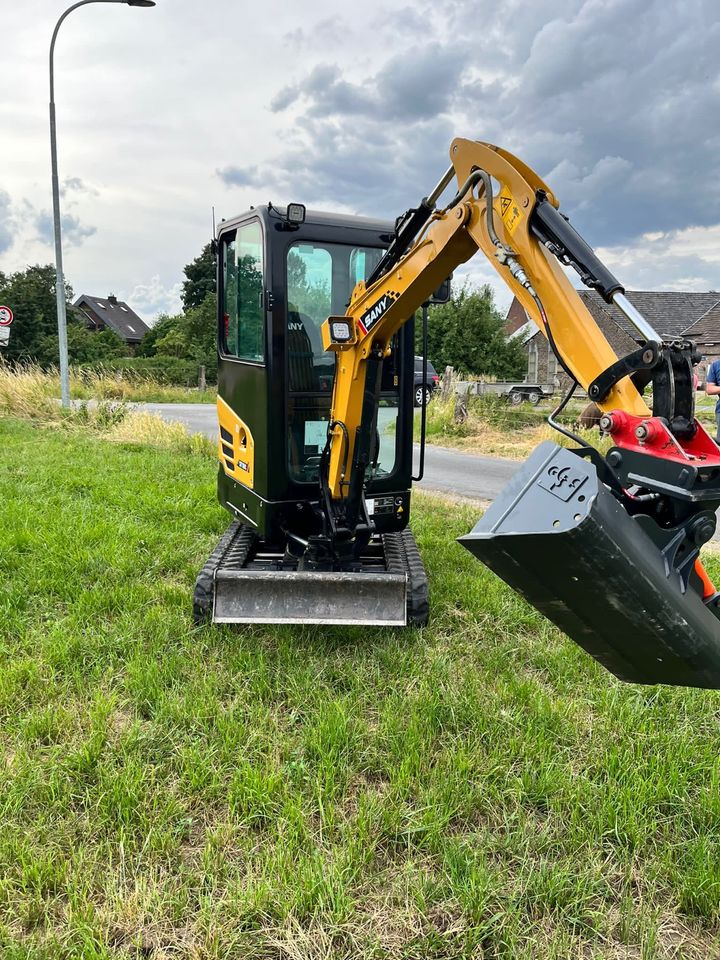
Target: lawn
480	788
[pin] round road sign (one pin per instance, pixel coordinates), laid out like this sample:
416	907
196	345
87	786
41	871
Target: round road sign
6	316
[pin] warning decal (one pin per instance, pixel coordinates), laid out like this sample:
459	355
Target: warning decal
509	210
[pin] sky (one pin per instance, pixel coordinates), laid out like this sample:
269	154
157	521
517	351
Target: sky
164	112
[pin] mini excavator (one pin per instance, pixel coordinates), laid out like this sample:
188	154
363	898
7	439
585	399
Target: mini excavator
315	411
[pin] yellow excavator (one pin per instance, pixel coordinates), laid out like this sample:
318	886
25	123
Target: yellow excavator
315	411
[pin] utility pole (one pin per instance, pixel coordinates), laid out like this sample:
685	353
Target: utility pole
59	275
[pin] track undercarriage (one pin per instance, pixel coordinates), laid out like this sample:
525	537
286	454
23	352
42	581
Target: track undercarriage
247	580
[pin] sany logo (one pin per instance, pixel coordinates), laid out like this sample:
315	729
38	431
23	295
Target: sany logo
371	316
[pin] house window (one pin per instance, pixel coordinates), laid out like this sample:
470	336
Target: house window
131	329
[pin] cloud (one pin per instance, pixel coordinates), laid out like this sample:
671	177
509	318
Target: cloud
326	31
682	259
617	120
238	177
75	185
8	222
614	101
153	298
406	19
74	233
393	91
642	100
325	93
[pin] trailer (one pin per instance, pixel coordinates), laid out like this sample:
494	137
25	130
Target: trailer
514	391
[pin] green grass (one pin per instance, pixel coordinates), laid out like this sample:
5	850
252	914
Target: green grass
478	789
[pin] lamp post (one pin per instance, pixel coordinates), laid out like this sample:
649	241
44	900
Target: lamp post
59	277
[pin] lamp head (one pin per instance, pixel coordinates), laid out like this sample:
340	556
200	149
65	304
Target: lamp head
140	3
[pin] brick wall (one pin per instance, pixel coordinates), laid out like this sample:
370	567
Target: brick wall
543	366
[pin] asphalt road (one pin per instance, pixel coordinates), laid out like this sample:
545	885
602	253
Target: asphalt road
447	471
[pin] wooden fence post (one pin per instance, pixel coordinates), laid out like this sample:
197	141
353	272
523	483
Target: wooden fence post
447	383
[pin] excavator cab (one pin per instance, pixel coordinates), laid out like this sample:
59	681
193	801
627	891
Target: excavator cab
281	273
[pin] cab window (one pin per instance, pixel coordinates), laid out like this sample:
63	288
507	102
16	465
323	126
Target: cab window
320	279
242	332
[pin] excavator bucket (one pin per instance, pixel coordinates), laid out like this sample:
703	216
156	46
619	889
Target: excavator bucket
558	536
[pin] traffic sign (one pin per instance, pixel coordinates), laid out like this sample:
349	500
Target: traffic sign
4	336
6	316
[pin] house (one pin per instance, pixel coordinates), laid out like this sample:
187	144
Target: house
689	314
109	312
705	333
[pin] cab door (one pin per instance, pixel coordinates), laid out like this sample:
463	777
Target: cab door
242	369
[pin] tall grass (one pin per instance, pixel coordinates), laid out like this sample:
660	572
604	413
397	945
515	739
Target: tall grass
147	428
27	382
29	393
496	428
103	383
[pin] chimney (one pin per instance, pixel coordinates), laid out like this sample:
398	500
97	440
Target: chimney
112	299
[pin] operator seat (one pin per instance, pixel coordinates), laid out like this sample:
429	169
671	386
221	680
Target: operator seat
301	356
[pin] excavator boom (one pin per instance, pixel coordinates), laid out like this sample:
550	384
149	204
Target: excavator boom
607	548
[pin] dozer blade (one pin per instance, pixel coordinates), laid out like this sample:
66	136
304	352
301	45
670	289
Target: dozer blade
560	538
247	581
279	596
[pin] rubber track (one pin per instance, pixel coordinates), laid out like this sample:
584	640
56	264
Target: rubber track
403	556
233	546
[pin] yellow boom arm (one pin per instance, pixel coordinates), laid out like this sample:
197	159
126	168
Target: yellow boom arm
452	237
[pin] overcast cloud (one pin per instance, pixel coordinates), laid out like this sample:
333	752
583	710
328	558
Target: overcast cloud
165	112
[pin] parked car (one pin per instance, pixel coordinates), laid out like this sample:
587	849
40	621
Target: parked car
423	392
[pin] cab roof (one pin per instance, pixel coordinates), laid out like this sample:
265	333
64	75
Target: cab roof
320	218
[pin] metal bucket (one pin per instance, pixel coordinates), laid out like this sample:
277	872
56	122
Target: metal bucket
560	538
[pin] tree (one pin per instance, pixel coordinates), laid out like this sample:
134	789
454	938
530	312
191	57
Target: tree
200	281
186	336
174	344
468	333
84	346
162	326
30	294
200	329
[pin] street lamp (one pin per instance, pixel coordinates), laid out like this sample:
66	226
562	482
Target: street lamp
59	277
